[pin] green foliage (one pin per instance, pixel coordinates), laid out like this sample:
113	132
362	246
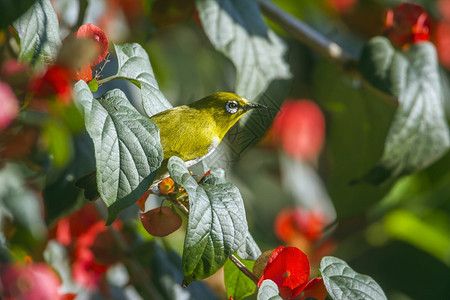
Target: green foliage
236	28
217	225
237	284
135	66
127	149
413	78
358	122
342	282
268	291
39	34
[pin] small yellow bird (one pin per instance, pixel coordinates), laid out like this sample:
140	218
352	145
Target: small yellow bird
190	132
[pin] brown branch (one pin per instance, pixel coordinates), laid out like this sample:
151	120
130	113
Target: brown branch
306	34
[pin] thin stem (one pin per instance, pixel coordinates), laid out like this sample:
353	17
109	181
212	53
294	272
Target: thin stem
319	43
107	79
306	34
243	268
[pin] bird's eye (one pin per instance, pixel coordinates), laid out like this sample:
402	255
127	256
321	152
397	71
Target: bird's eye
232	107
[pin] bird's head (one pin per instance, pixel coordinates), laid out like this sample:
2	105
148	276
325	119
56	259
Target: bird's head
225	108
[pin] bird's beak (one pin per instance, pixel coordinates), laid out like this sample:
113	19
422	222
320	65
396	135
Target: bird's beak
253	105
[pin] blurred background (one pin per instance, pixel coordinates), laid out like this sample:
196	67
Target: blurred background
299	182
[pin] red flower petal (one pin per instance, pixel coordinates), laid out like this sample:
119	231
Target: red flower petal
85	73
98	36
56	81
9	105
289	268
407	24
300	128
295	221
31	282
314	289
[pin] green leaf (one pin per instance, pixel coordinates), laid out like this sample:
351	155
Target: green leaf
19	202
268	291
60	194
358	121
249	250
13	9
217	225
237	29
128	152
135	66
419	134
38	30
342	282
237	284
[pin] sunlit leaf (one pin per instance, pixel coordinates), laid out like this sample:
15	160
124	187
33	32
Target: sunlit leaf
268	291
249	250
135	66
405	226
238	285
419	133
342	282
237	29
38	30
128	152
217	225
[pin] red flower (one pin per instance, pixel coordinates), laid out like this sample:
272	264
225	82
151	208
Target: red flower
407	24
300	128
289	268
295	221
96	35
314	289
343	6
9	105
443	43
57	81
29	282
90	244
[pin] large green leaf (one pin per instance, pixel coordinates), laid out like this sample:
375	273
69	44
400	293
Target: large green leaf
268	291
135	66
128	152
342	282
419	134
357	124
238	285
249	250
38	30
217	225
237	29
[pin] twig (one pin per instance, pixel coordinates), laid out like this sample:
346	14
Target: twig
319	43
306	34
243	268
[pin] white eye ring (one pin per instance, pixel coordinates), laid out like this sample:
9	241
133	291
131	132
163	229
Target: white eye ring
232	107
